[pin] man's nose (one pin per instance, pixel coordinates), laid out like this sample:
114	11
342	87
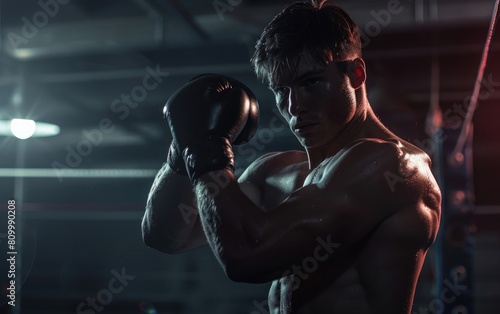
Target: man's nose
295	105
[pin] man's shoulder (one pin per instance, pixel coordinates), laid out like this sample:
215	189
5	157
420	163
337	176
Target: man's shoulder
394	146
395	177
385	155
406	183
387	167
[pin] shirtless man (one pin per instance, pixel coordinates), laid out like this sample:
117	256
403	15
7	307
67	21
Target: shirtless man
341	227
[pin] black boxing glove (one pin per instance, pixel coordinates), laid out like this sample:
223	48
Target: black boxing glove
206	116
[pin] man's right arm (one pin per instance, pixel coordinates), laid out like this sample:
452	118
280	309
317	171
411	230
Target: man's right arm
171	223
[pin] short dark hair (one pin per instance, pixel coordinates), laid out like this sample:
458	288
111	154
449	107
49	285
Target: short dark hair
321	30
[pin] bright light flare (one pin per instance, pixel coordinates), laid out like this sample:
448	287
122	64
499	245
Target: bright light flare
26	128
22	128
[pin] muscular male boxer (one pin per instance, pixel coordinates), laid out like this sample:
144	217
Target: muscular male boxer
341	227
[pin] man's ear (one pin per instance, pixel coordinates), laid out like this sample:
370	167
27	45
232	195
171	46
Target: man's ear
357	73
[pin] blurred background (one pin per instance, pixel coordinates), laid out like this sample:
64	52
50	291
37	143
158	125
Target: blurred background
98	73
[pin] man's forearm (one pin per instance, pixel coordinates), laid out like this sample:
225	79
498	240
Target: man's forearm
171	212
231	221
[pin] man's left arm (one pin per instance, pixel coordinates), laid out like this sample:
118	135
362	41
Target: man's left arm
350	201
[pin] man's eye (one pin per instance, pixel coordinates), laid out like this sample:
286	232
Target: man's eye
311	82
281	90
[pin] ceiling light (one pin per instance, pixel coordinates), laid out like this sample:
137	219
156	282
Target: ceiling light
26	128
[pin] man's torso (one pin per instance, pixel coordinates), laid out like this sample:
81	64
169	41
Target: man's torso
358	279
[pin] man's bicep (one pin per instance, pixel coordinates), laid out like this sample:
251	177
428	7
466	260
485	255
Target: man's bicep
251	185
252	181
254	192
291	233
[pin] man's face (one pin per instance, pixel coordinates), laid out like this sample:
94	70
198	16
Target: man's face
316	100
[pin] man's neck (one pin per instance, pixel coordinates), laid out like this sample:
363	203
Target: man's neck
364	125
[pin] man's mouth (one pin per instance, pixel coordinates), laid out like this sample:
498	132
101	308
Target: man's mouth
303	127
